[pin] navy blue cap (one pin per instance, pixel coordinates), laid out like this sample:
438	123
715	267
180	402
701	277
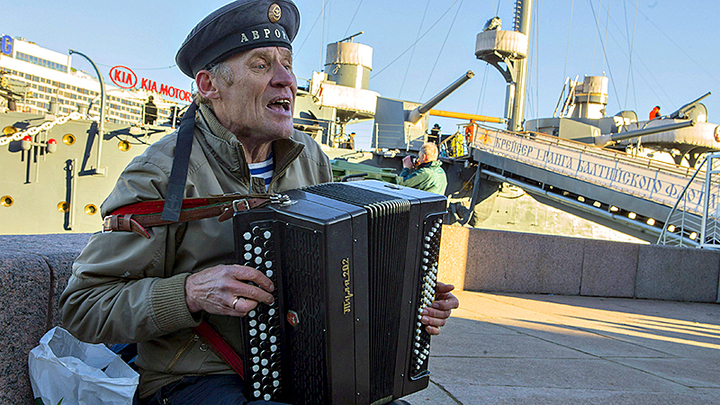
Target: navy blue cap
236	27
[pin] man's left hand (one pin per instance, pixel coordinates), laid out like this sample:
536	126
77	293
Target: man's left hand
435	317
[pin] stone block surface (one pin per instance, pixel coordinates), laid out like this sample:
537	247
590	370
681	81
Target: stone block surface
677	274
59	251
453	253
34	270
502	261
24	293
609	268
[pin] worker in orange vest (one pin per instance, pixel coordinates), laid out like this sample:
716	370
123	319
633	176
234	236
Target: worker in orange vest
655	113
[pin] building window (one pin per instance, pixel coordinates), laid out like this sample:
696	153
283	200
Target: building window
41	62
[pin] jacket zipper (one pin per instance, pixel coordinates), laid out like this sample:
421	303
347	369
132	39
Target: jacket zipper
182	351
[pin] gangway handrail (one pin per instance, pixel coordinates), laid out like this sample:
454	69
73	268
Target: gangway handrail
668	220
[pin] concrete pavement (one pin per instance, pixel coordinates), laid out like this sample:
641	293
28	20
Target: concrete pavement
550	349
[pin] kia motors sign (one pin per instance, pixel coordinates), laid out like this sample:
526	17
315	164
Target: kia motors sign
125	78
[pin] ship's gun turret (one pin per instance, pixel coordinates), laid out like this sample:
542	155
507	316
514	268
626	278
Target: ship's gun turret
403	124
417	113
691	110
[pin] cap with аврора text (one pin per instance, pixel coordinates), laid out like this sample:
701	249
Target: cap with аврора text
236	27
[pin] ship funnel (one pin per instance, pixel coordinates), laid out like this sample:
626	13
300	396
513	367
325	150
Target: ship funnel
349	63
415	115
590	98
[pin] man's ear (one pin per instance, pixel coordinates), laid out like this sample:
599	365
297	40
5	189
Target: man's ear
206	85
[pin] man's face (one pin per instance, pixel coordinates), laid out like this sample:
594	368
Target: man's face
259	104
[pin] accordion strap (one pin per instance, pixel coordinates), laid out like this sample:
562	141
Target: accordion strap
140	216
220	347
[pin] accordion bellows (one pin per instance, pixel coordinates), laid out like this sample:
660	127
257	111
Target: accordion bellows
353	264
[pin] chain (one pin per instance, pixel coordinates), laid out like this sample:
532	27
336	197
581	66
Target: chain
18	136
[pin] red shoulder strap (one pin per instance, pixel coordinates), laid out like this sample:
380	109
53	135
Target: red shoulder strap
220	347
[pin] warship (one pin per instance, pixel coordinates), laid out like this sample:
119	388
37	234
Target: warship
66	137
56	179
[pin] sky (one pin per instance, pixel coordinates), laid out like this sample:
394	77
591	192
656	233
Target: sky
421	46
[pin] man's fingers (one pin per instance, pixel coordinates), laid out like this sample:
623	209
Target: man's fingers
436	313
244	273
430	321
253	292
443	288
241	306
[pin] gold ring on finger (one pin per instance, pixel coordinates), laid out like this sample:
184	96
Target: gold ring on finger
235	302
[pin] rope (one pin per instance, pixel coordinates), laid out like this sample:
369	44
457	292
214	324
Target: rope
597	25
632	47
714	77
567	49
418	40
437	59
353	18
427	5
310	30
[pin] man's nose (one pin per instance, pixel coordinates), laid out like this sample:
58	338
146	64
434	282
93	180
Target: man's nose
282	76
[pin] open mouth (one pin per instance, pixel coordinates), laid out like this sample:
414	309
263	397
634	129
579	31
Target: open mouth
282	105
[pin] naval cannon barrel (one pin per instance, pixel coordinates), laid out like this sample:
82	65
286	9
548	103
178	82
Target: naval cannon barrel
415	115
604	140
682	111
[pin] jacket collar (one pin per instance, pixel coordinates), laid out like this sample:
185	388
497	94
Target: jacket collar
229	151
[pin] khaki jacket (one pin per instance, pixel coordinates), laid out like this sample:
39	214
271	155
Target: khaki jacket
126	288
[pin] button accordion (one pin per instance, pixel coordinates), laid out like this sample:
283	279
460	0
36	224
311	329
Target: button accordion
353	265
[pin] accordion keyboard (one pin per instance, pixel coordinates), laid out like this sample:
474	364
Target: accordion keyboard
427	283
263	334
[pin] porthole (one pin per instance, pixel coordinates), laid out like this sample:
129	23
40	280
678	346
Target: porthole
90	209
68	139
124	146
9	130
63	206
6	201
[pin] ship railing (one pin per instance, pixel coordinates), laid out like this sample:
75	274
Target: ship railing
401	135
685	229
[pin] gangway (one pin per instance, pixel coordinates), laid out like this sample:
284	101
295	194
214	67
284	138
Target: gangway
632	194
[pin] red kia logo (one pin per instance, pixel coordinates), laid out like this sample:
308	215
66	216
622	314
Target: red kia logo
123	77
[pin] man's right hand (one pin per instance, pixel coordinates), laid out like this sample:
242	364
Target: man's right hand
217	289
407	162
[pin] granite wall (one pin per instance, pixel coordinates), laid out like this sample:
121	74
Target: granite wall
34	270
511	262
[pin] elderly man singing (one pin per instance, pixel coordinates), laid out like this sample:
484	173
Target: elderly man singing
155	290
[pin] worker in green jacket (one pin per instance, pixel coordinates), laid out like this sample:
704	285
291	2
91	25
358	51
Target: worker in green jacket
427	173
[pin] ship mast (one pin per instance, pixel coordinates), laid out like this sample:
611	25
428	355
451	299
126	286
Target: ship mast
521	23
507	51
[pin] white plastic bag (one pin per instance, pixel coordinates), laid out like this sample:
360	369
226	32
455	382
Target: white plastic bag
65	369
